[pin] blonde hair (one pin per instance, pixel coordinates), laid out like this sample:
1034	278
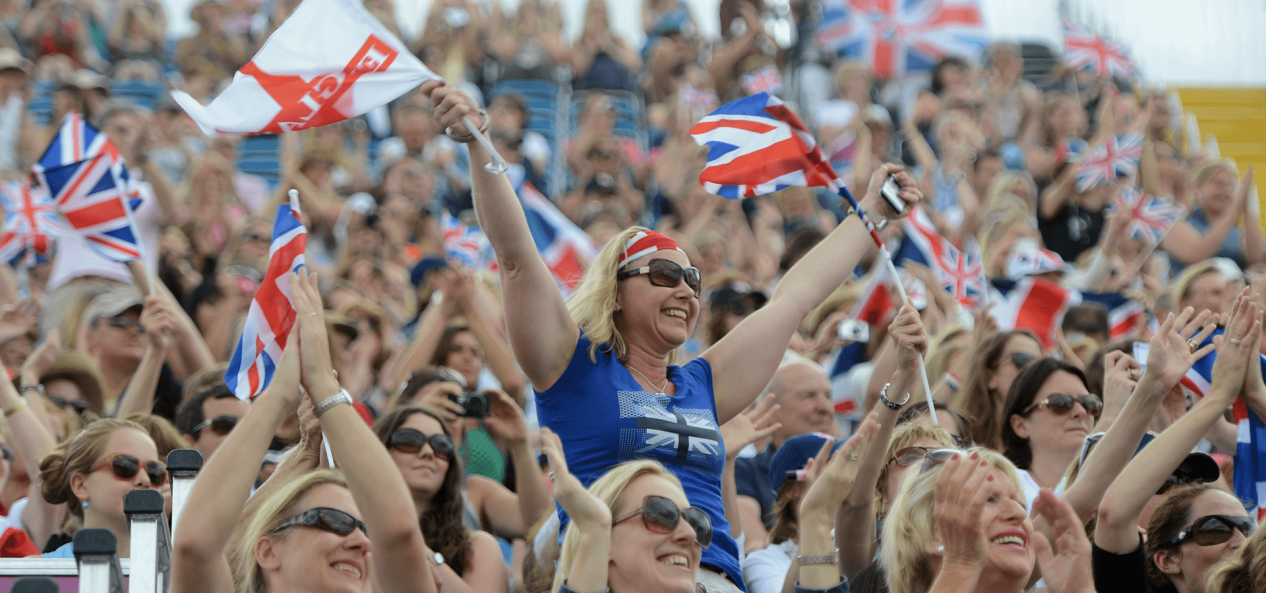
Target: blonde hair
1205	171
904	436
1182	285
911	524
78	455
592	305
263	513
609	489
1244	572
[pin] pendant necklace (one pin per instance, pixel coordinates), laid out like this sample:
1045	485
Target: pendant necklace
651	383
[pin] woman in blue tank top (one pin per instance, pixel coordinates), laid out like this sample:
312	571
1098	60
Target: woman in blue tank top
601	363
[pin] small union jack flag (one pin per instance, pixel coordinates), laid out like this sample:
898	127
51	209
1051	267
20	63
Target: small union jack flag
272	312
30	222
1116	156
1031	262
85	175
1152	216
1084	49
963	275
758	146
465	245
901	36
763	80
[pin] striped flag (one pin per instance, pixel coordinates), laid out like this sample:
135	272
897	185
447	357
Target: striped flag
1033	304
466	245
875	302
30	222
1152	216
898	37
757	146
272	312
566	248
1117	156
1084	49
85	175
1124	313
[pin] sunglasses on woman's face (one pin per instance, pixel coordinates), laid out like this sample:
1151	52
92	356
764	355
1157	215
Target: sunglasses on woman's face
1020	359
1062	404
79	406
408	440
661	515
910	456
125	467
1212	530
326	519
220	425
667	273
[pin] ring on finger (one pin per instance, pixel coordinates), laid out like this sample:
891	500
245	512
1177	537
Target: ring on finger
1193	344
1134	374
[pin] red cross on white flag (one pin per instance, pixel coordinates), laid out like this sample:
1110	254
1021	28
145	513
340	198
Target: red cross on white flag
330	61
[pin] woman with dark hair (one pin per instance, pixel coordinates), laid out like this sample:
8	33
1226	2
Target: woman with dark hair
1049	414
422	448
1193	527
997	362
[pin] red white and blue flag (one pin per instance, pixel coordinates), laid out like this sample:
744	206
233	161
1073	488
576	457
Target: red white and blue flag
1033	304
566	249
962	275
756	146
1116	156
464	244
30	222
901	36
765	79
1249	480
922	243
1031	262
272	312
1084	49
86	178
1125	315
874	304
1152	216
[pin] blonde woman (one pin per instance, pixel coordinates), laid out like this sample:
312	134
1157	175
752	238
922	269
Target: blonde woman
313	531
601	364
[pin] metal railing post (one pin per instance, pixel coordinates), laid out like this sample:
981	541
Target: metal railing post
183	466
151	556
96	553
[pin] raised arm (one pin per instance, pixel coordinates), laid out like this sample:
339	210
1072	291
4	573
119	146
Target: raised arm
32	441
481	316
510	514
159	324
199	561
591	522
855	520
400	563
542	333
1117	530
744	360
838	481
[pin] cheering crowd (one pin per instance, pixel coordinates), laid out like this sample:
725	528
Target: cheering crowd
706	393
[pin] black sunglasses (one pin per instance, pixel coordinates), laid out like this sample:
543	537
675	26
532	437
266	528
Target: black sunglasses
125	323
7	453
1061	404
667	273
79	406
326	519
125	467
1212	530
661	515
408	440
220	425
1019	359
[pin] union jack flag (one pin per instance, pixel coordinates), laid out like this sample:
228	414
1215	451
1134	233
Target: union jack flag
85	175
272	312
922	243
1153	216
901	36
1249	481
466	245
30	222
1031	262
566	249
763	80
758	146
1116	156
1084	49
1124	313
963	275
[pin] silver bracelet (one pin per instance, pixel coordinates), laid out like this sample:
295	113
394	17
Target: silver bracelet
340	398
831	558
484	121
883	397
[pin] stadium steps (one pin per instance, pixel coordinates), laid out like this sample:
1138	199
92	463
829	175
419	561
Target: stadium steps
1237	118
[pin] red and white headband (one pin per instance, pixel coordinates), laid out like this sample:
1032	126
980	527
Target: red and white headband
644	243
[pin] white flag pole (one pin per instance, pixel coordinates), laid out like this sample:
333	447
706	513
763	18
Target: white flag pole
497	165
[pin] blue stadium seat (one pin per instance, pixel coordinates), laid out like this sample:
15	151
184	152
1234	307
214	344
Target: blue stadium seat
147	94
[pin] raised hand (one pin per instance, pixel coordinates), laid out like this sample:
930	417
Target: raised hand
505	421
42	358
962	490
912	341
833	485
19	318
1236	345
1065	562
1120	377
1169	355
584	509
315	369
753	425
909	191
159	322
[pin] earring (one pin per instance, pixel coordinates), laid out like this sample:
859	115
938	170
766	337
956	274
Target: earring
618	307
940	550
85	506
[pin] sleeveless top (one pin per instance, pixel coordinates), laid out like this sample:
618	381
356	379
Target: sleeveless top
603	418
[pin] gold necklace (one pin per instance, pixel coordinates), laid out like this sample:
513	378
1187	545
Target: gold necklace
649	382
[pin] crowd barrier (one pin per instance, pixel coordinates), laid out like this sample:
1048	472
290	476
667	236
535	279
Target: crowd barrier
97	567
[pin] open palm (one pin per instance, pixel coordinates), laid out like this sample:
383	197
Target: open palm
1169	353
584	509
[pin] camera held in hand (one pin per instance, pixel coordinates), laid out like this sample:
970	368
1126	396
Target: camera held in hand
474	404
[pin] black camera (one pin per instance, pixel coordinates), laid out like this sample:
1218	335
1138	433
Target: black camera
474	404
